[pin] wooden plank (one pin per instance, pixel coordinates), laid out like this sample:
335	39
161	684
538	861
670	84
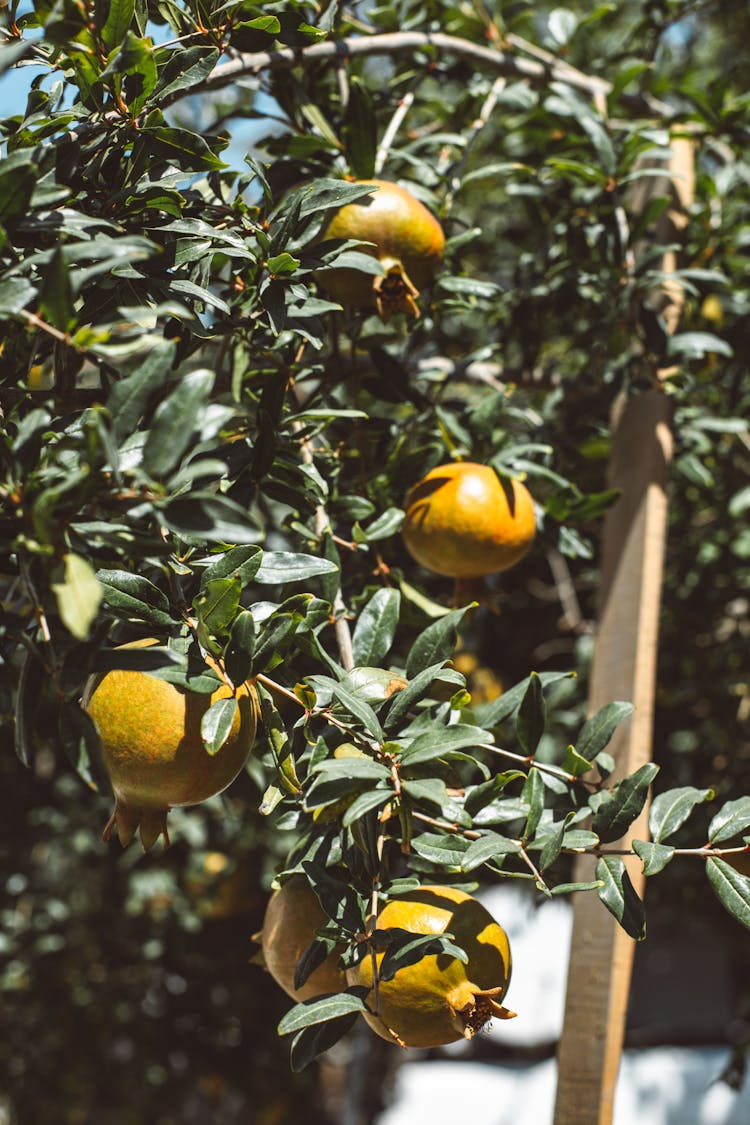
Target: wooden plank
624	668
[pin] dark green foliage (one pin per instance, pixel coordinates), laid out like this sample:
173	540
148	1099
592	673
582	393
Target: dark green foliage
199	447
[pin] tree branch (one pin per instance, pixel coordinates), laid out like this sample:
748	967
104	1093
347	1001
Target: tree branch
394	43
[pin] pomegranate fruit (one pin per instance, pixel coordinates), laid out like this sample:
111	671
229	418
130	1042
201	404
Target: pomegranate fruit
407	240
439	998
150	733
463	523
292	916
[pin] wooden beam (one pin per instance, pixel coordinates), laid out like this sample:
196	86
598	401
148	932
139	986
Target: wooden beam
624	668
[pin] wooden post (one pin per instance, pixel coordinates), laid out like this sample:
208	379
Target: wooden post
624	668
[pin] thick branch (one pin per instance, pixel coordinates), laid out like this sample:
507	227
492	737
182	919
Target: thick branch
395	43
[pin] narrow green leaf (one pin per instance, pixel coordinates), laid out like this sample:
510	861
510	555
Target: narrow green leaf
489	846
670	810
620	808
216	607
216	723
119	19
533	794
599	728
279	742
365	803
286	566
446	851
435	644
531	716
174	422
360	710
730	821
318	1011
56	295
238	655
134	598
731	888
376	627
404	700
440	741
619	896
313	1041
494	713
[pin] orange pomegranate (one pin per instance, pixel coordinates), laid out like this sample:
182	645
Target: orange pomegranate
439	998
462	522
151	741
292	916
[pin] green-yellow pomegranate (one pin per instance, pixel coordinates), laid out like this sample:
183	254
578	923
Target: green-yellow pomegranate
151	741
438	999
292	916
408	241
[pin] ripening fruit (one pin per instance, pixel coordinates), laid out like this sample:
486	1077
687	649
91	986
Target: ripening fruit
461	521
292	916
408	241
150	733
439	999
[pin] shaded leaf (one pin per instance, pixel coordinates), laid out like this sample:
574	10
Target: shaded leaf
619	896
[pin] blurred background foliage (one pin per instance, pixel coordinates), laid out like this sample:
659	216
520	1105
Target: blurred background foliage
128	996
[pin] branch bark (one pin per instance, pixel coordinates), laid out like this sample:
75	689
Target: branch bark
535	71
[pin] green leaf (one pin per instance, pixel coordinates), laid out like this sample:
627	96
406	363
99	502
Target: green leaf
319	1011
174	422
353	767
574	763
440	741
533	794
16	293
184	69
241	563
382	527
217	605
119	19
360	131
79	596
430	789
202	516
731	888
489	846
531	716
134	598
376	627
279	742
216	723
360	710
494	713
731	820
435	644
620	808
365	803
404	700
56	295
599	728
446	851
315	1040
670	810
286	566
655	857
130	397
698	344
554	843
404	948
238	655
619	896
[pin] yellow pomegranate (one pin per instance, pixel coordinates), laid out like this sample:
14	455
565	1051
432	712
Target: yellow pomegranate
461	522
150	733
292	916
439	999
408	241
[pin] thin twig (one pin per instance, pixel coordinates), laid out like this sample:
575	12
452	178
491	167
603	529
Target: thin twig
392	129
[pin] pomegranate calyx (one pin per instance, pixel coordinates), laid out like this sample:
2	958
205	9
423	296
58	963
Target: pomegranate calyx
394	291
